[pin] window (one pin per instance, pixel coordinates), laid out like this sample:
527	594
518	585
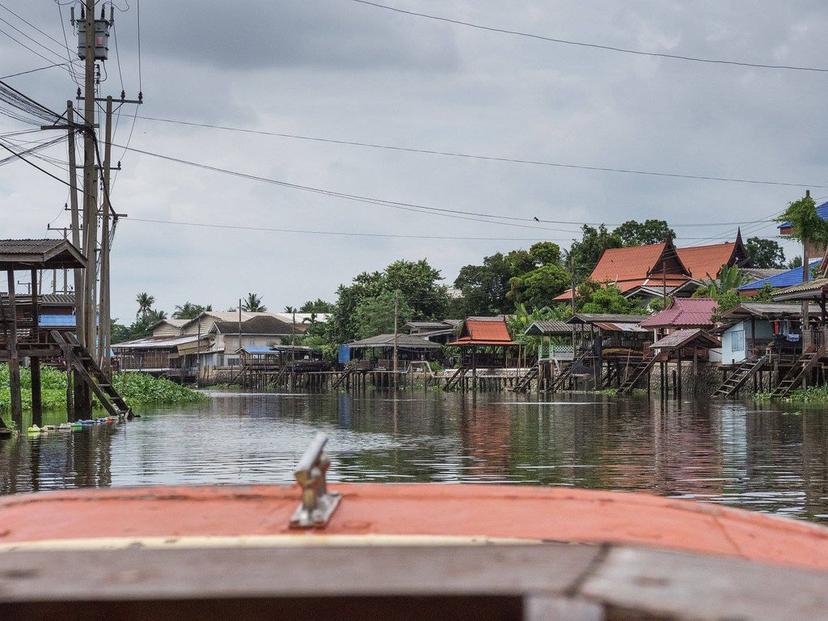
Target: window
737	340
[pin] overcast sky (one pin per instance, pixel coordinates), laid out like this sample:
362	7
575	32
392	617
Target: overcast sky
338	69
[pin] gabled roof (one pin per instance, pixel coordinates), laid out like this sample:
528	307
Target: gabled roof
40	253
683	313
811	290
684	338
548	327
484	331
618	265
787	278
264	324
704	260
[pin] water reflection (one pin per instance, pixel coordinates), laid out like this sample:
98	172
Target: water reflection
764	459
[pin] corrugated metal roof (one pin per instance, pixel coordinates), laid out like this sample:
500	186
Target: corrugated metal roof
43	253
546	327
607	317
807	290
685	313
155	343
682	338
768	310
787	278
404	341
609	326
263	324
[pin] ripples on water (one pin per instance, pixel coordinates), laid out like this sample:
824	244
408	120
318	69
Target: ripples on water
762	459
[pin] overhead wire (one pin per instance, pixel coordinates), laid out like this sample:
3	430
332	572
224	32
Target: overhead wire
457	213
492	158
598	46
19	73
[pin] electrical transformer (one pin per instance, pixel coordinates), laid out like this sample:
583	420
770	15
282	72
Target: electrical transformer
101	39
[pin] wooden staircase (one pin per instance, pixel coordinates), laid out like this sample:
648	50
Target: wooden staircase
455	379
348	373
88	370
564	375
638	371
526	381
740	375
794	376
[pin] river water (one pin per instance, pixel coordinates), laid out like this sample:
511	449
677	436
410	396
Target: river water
761	458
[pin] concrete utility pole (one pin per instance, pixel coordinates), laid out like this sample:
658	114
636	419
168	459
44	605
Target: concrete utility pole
396	318
805	277
90	181
76	239
104	335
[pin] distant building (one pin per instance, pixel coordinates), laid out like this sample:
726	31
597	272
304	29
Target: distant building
778	281
659	270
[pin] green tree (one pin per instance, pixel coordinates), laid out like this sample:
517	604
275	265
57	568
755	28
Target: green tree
730	279
145	302
584	254
252	303
633	233
484	287
596	298
794	263
545	253
806	225
188	310
316	306
765	253
375	315
537	289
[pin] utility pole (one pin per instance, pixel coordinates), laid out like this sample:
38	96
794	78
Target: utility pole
396	322
104	336
805	277
90	180
73	202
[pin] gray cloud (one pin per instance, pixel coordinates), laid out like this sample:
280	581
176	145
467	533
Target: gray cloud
334	68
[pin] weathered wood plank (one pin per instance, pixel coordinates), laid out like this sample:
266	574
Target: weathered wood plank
656	584
292	572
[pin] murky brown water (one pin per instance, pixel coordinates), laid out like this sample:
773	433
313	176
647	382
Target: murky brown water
764	459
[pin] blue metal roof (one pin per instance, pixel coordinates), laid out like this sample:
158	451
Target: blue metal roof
780	281
822	212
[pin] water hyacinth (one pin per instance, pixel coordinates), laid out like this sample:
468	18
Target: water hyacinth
137	389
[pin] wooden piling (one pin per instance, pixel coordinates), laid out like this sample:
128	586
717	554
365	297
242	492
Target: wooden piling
14	362
37	404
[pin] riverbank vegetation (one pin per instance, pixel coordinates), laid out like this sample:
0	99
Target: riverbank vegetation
815	395
137	389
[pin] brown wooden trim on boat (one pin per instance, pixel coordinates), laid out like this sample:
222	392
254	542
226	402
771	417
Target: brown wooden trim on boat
531	582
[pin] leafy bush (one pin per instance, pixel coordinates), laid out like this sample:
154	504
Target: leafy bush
136	388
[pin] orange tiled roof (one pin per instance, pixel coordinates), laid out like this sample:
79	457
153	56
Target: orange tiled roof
704	260
484	332
620	264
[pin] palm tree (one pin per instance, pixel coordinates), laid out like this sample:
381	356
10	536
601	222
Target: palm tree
730	279
253	304
290	309
188	310
809	228
145	302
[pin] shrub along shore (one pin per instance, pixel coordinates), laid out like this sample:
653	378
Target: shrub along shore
137	389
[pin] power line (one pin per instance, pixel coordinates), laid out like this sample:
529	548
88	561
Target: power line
331	233
19	73
491	158
456	213
32	164
598	46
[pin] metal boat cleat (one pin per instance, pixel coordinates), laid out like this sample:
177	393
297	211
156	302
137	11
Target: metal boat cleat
318	504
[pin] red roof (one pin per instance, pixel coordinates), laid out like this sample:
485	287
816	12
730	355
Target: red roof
620	264
683	313
704	260
484	331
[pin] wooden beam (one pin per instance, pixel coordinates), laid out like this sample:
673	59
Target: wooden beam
37	403
14	362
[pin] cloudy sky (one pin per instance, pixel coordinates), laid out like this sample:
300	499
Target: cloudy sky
342	70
